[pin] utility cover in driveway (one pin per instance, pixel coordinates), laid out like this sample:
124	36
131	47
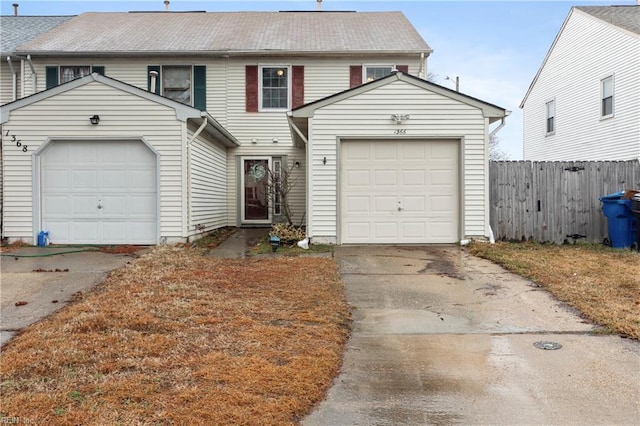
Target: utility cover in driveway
99	192
399	191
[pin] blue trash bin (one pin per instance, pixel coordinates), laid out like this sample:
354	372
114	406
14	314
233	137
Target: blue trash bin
621	221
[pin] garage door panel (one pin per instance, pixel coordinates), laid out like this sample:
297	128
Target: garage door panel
385	204
57	205
358	204
384	152
114	179
142	179
83	206
385	230
141	205
109	188
385	178
358	178
56	179
414	193
413	178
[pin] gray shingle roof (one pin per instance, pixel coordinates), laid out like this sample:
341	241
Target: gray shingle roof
627	17
16	30
232	32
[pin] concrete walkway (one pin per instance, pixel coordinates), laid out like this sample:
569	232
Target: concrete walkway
237	245
441	337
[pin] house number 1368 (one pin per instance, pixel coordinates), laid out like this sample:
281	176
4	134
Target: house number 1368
17	141
400	132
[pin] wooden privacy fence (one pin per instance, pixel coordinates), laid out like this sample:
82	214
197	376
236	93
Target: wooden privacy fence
555	201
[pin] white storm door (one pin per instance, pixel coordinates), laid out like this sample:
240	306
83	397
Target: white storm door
99	192
399	192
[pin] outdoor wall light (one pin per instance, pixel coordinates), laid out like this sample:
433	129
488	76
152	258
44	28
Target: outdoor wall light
274	140
254	140
324	160
399	118
274	242
95	119
297	164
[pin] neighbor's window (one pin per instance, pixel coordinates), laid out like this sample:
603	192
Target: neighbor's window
68	73
375	72
551	116
176	83
607	96
274	83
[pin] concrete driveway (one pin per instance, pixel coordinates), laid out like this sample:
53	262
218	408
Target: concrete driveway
441	337
34	280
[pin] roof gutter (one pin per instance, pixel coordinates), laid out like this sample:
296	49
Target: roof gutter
228	53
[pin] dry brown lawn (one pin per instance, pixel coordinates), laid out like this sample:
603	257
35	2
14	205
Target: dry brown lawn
600	282
177	338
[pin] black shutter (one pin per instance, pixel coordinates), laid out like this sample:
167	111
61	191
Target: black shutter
52	76
200	87
157	69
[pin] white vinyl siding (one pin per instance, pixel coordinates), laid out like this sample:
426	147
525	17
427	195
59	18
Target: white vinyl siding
367	116
581	132
226	103
208	192
66	117
6	80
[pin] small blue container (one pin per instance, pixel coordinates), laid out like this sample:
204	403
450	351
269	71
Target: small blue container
43	238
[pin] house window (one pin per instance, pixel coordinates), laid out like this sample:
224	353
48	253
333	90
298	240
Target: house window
274	89
277	179
68	73
551	116
606	85
375	72
176	83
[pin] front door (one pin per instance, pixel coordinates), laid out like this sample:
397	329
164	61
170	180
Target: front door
255	190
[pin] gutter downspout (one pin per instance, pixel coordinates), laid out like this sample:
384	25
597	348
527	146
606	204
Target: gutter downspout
189	142
14	82
502	123
34	76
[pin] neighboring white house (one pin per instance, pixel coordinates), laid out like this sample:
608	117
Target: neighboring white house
248	70
584	102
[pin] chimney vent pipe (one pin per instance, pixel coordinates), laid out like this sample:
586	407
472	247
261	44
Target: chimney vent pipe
320	5
166	5
15	9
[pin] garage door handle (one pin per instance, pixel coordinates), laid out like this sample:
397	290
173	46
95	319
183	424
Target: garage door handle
99	206
400	209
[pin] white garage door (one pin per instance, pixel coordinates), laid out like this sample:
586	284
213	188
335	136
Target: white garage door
99	193
399	192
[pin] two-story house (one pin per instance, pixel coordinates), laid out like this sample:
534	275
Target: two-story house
154	127
584	102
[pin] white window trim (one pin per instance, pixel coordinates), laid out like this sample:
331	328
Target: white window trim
365	66
613	97
546	117
289	87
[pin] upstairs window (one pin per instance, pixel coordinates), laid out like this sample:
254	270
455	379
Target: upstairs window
182	83
59	74
375	72
274	88
176	83
606	90
68	73
551	116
